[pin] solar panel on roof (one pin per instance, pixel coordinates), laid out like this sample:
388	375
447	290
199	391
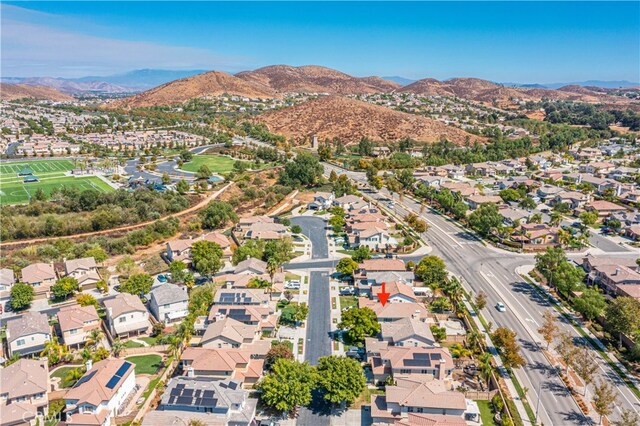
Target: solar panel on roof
84	379
113	382
183	400
180	386
197	393
209	402
123	369
208	394
188	392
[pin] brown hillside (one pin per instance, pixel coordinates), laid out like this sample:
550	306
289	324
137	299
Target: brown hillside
350	120
10	92
428	87
213	83
314	79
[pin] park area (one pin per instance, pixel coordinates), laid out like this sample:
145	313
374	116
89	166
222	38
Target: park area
215	163
50	174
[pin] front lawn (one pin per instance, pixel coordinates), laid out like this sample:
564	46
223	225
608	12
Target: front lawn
133	344
146	364
346	301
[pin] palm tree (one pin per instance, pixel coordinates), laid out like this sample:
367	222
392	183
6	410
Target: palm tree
555	218
54	351
95	337
486	368
74	375
474	339
272	268
175	345
116	347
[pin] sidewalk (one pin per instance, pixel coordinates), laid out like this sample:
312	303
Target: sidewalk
501	370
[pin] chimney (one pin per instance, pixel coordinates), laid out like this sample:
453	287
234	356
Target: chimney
441	370
617	271
416	314
89	364
190	372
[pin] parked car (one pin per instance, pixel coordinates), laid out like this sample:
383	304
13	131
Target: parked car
292	285
348	308
347	291
500	307
162	278
355	352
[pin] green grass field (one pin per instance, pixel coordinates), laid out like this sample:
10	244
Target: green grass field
146	364
51	174
216	163
20	193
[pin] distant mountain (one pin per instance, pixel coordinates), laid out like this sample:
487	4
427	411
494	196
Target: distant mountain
400	80
605	84
11	92
315	79
212	83
144	78
351	120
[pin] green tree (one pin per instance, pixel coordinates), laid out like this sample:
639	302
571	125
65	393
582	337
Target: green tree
337	223
98	253
204	172
549	328
361	254
604	399
623	317
340	379
54	351
567	278
288	386
21	296
137	284
359	323
250	248
206	257
84	299
166	179
627	418
432	271
509	195
566	348
481	300
585	366
64	287
296	229
182	186
439	333
346	266
527	203
279	350
126	266
304	171
505	341
588	218
178	270
549	261
280	251
218	214
590	303
186	156
485	218
333	176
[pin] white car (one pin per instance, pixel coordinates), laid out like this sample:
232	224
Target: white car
500	307
292	285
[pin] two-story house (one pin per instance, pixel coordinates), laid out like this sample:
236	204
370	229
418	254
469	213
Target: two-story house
84	270
24	387
7	279
405	360
321	201
28	333
76	322
218	363
126	315
169	303
229	333
41	276
411	332
96	398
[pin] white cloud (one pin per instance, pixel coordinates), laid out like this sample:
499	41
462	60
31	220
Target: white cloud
30	47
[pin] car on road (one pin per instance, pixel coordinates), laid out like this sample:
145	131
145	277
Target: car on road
391	204
500	307
162	278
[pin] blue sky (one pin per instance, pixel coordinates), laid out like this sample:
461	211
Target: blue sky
540	42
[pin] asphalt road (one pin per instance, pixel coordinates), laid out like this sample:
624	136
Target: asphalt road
493	271
318	342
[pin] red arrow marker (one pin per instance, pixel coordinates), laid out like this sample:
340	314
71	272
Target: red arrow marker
383	295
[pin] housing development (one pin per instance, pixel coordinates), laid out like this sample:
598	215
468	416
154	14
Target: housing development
294	245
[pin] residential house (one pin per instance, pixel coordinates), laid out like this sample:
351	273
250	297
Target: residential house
28	333
41	276
604	208
548	192
98	396
229	333
422	396
398	292
372	235
76	322
394	311
7	279
24	391
179	250
168	302
431	181
596	167
475	201
377	278
407	360
265	231
251	266
511	216
212	402
612	276
84	270
223	363
321	201
241	296
465	189
349	202
381	151
126	315
573	199
536	233
411	332
262	316
633	232
246	222
454	172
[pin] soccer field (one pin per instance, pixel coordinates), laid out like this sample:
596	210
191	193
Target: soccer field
216	163
41	168
50	174
20	193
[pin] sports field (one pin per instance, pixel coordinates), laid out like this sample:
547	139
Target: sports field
216	163
50	173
